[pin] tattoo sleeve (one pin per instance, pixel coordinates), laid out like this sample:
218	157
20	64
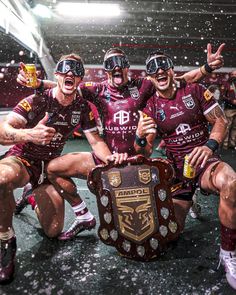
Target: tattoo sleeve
217	119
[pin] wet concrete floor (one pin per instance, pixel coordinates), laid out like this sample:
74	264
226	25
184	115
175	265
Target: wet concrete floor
87	266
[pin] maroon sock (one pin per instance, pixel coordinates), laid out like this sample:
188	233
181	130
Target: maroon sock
228	238
31	201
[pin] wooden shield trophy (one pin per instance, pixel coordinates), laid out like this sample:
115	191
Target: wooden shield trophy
135	206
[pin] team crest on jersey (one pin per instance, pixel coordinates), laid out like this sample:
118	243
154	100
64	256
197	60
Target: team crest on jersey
107	95
134	92
161	116
25	105
75	118
188	101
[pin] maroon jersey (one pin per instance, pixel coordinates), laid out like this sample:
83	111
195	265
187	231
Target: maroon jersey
62	118
181	121
118	109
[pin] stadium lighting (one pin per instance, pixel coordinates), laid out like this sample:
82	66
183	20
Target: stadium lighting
88	9
42	11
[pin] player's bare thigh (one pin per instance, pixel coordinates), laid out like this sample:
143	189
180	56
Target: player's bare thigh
72	165
50	209
216	178
13	172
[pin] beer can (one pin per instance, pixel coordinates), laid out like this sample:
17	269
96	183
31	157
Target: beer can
30	71
189	171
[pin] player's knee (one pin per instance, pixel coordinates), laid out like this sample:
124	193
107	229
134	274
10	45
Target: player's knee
5	176
51	169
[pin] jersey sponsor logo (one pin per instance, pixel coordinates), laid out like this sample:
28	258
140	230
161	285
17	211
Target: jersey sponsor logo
134	92
121	117
25	105
120	129
176	115
188	101
57	137
88	84
61	116
195	137
208	94
182	129
161	116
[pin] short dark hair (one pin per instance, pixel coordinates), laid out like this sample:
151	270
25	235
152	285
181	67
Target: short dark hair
114	50
156	52
71	56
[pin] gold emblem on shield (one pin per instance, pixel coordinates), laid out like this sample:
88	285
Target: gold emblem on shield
114	178
135	216
144	175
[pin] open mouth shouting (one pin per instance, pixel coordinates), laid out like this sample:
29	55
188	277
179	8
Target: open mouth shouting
69	83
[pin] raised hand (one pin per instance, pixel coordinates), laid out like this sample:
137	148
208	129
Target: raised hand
215	60
146	125
22	76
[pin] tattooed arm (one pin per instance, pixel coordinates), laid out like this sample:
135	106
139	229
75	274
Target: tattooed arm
217	119
13	131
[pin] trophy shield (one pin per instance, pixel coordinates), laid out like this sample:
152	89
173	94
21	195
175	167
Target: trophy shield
135	206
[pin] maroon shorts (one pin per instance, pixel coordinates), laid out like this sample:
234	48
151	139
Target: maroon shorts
183	188
35	167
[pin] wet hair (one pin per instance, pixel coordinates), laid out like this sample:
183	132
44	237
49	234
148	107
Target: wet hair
114	50
71	56
156	52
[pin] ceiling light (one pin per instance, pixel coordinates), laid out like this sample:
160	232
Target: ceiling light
42	11
88	9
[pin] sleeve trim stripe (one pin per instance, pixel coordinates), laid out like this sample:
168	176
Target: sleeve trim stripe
90	130
210	108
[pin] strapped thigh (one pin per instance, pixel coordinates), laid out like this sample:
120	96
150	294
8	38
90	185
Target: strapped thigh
213	169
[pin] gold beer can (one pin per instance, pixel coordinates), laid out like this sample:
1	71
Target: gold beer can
30	71
189	171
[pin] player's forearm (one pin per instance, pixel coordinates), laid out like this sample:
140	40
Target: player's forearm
101	150
217	119
197	74
219	130
10	135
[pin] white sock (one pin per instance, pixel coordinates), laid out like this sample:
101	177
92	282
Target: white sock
78	209
227	253
87	216
7	235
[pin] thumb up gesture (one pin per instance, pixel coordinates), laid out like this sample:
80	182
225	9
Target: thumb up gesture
42	134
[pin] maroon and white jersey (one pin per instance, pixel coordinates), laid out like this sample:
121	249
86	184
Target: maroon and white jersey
118	109
63	119
181	121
